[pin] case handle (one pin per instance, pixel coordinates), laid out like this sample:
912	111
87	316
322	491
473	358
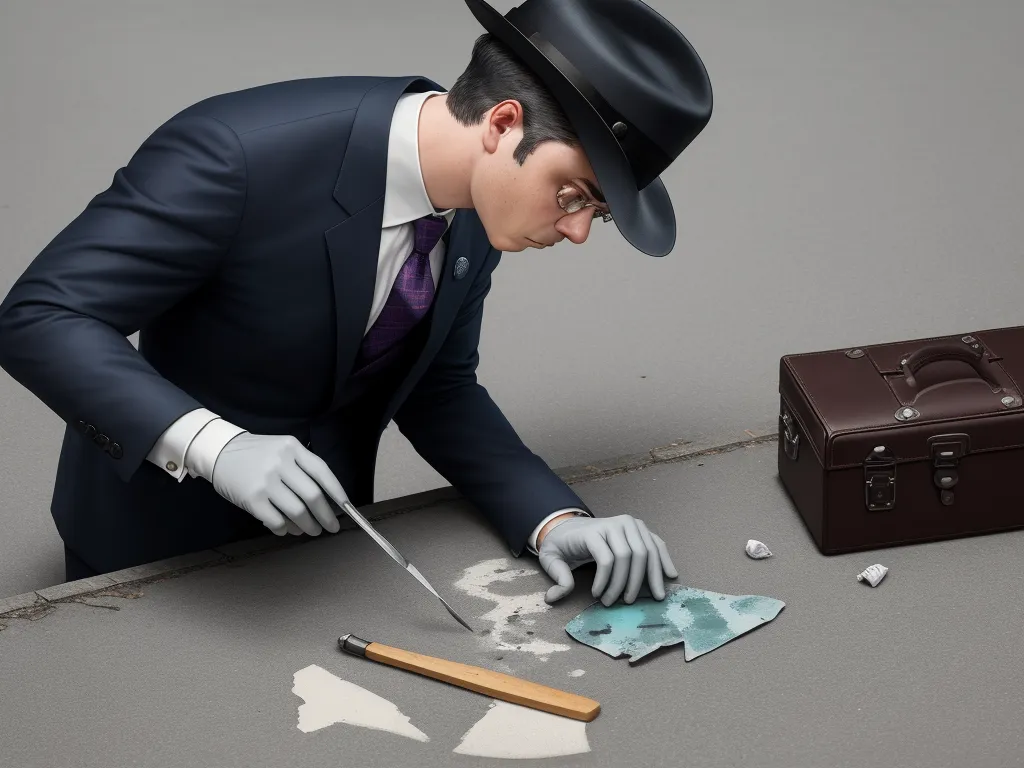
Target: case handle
939	352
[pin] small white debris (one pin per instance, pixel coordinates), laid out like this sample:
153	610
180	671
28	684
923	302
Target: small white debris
577	673
757	549
873	574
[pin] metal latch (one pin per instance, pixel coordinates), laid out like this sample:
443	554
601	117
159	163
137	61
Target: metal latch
880	480
946	451
790	438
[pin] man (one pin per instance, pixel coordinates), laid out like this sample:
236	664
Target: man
307	261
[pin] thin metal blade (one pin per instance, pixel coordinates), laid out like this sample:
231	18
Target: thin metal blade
398	557
419	576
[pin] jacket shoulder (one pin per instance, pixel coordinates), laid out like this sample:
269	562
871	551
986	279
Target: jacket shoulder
272	103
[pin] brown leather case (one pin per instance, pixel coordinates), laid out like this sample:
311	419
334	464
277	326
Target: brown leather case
903	443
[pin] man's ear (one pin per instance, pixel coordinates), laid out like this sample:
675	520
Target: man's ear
506	116
500	122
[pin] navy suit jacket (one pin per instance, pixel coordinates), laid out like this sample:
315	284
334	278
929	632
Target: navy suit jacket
241	241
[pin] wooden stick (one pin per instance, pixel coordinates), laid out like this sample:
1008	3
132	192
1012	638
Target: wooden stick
495	684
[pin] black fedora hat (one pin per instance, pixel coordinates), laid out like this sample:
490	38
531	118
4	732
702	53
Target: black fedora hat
633	88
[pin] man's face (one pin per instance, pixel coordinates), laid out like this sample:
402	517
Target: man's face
518	204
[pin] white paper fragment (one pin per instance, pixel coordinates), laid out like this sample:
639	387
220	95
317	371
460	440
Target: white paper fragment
330	700
873	574
757	550
577	673
517	732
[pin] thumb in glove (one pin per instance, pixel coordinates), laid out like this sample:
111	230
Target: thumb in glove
563	549
560	572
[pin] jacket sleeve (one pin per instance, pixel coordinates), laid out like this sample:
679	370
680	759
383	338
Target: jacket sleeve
453	423
148	241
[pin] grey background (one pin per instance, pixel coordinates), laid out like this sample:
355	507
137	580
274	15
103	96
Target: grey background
923	671
860	182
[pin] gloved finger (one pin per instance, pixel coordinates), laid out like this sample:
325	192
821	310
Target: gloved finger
266	513
603	558
317	469
655	577
637	560
312	496
282	497
666	562
561	573
620	568
293	529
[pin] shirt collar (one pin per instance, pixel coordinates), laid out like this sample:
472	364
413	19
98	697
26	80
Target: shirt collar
405	194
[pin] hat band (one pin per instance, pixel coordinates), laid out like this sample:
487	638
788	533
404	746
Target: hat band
646	157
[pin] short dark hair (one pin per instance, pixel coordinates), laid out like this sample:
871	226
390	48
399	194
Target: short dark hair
494	74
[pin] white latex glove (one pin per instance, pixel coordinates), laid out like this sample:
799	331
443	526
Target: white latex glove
623	548
279	482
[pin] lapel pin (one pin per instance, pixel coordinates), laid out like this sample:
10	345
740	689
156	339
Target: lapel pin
461	267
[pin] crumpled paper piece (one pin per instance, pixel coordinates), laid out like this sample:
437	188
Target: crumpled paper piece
699	619
757	549
873	574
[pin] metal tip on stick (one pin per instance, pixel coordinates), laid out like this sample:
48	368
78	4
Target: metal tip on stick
352	644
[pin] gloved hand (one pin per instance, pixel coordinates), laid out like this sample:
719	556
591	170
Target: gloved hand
623	548
279	482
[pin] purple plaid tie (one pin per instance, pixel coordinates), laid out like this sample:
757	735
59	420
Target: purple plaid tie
411	294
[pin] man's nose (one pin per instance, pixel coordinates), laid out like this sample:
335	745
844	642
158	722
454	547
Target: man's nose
576	226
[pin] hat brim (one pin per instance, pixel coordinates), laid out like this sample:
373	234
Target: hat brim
644	217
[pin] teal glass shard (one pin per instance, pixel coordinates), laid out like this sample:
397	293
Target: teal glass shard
699	619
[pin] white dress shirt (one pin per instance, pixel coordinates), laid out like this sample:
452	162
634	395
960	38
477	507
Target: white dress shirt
192	444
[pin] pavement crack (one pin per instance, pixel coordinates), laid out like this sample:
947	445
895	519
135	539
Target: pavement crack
83	601
31	613
124	591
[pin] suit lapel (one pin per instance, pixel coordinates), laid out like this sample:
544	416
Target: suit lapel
353	245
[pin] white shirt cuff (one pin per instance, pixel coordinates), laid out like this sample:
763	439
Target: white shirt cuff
202	454
169	451
531	544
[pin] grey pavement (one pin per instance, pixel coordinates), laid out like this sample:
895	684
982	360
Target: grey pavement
923	670
860	182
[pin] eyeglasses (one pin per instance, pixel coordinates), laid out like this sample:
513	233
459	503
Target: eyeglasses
572	198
